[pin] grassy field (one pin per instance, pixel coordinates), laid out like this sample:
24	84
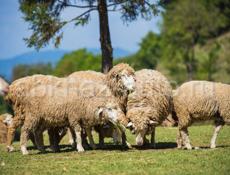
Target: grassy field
166	159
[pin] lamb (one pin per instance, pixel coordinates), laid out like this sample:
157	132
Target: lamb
149	105
121	81
5	121
201	101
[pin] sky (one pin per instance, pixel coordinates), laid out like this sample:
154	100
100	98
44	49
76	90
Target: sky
13	29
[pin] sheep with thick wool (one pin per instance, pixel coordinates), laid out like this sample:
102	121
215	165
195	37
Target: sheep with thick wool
17	90
149	105
201	101
121	81
50	106
41	111
16	95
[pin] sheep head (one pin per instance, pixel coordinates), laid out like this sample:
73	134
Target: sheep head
141	123
4	87
111	113
8	119
121	79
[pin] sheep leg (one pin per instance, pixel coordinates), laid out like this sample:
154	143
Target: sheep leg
78	130
38	136
23	139
124	141
116	136
179	140
72	137
52	132
216	131
185	138
101	138
153	137
91	141
11	132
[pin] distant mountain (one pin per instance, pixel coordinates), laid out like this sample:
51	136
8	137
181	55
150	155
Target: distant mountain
117	52
7	65
53	56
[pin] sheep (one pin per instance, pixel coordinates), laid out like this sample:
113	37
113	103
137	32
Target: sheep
5	121
15	94
121	81
149	105
201	101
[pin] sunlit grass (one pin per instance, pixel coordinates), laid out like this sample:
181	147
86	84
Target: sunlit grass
166	159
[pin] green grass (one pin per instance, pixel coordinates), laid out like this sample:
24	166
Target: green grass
164	160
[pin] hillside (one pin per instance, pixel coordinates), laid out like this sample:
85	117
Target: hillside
53	56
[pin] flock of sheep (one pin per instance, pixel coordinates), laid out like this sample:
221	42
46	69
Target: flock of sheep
109	103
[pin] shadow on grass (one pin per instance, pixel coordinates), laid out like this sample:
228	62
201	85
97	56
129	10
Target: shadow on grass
111	147
159	145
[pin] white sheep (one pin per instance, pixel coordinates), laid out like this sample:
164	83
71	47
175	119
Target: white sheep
149	105
201	101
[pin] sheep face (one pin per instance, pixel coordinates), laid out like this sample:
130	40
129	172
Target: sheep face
108	113
8	120
141	123
4	87
128	81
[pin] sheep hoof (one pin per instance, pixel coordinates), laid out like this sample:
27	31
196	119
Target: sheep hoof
24	150
80	149
10	149
213	146
196	148
189	147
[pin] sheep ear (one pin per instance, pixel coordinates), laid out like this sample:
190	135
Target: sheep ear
151	122
129	125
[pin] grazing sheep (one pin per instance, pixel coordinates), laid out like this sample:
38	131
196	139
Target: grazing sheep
121	81
149	105
201	101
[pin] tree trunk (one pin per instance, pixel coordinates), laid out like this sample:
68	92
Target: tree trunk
106	47
189	68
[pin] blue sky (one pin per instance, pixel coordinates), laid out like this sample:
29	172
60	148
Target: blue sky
13	29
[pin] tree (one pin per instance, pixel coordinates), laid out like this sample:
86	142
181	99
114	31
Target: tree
76	61
148	55
26	70
186	24
46	23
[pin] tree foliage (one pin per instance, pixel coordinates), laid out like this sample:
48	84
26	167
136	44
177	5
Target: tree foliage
76	61
188	23
148	55
44	17
22	70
